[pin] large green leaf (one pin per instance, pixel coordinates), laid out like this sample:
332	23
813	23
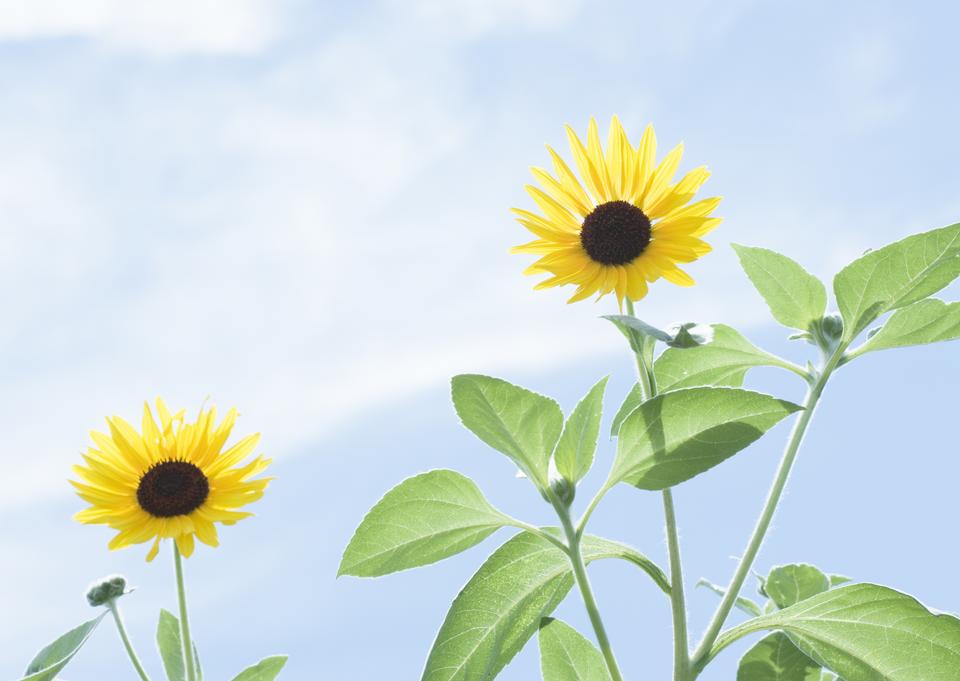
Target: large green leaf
679	434
724	361
517	422
776	658
578	443
795	297
501	606
266	669
631	402
896	276
170	646
926	321
565	655
51	660
424	519
865	632
790	584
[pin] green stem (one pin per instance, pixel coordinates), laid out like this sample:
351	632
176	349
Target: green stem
678	604
184	622
583	582
591	507
702	653
131	653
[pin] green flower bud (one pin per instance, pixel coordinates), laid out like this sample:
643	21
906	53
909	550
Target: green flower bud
564	489
105	590
832	326
827	331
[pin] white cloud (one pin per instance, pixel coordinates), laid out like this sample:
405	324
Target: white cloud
305	240
162	28
475	17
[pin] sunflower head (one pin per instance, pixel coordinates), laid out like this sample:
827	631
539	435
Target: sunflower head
172	480
622	223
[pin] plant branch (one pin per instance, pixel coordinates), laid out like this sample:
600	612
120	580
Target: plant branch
703	652
583	582
131	653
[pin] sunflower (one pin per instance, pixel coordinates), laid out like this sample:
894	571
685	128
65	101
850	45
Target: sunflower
630	226
172	481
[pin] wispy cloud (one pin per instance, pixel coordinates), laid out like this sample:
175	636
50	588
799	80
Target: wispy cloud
160	28
310	230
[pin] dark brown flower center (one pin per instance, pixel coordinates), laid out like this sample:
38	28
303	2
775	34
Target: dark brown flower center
172	488
615	233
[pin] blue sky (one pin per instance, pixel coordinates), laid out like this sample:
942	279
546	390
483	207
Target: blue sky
301	209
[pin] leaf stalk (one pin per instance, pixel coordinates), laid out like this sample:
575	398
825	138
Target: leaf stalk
703	652
114	609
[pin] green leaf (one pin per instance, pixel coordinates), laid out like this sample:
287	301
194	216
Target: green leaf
266	669
689	335
926	321
565	655
776	658
745	604
501	606
790	584
630	326
578	443
424	519
632	401
170	646
724	361
837	580
795	297
51	660
896	276
865	632
521	424
679	434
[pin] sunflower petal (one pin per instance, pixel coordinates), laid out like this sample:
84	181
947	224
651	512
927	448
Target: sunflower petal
590	173
558	192
681	193
645	160
568	180
660	180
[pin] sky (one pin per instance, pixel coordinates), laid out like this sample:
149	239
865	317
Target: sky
301	209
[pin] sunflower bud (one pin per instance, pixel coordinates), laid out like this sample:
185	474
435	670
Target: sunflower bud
563	488
827	331
105	590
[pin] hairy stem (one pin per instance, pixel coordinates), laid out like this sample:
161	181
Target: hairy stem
131	653
702	653
583	582
678	603
189	659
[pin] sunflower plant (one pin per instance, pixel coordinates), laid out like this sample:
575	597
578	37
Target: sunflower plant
617	224
172	480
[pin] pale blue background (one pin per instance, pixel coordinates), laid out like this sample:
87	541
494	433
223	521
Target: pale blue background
301	209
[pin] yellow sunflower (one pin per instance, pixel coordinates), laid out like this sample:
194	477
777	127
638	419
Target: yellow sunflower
630	226
171	481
